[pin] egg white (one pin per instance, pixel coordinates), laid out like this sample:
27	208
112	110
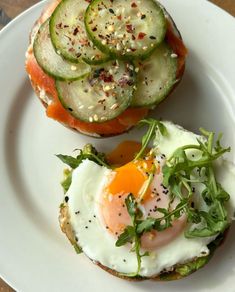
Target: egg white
88	181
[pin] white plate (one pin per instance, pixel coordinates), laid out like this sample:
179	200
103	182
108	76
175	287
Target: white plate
34	255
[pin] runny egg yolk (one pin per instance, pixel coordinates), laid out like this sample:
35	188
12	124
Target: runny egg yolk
133	178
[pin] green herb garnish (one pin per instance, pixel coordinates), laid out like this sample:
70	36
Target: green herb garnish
130	234
179	173
88	152
155	126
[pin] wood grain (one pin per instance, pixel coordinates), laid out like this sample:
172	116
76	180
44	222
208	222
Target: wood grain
11	8
228	5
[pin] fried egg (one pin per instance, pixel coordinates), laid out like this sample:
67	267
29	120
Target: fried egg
98	214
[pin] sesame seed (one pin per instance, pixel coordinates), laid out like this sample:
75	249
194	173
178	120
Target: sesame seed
114	106
81	106
137	69
91	107
104	42
73	68
111	28
107	88
174	55
145	48
118	47
96	118
90	119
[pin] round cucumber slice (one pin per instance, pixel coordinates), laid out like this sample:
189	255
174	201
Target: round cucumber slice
126	28
52	63
68	33
156	77
102	95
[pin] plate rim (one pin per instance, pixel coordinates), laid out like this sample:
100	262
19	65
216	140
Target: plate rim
39	5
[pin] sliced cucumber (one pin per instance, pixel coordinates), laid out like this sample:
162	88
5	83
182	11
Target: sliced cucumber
126	28
157	76
68	33
51	62
101	96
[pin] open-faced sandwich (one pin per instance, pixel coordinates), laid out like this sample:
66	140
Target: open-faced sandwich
150	212
99	66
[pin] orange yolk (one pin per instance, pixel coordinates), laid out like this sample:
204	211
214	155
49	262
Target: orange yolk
124	153
127	179
132	177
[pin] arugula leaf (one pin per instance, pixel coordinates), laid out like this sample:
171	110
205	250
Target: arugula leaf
177	173
126	236
146	225
130	234
153	127
88	152
69	160
131	205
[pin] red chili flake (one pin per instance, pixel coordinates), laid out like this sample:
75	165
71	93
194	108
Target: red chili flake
133	5
133	50
119	17
129	28
94	29
141	35
107	78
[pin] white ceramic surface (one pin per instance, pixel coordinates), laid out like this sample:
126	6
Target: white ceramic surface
34	255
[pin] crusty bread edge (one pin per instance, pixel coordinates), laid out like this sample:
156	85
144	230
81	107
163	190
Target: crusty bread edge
64	220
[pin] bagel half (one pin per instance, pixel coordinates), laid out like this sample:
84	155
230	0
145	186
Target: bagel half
44	86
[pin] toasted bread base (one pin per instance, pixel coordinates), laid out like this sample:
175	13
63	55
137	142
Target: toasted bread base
169	275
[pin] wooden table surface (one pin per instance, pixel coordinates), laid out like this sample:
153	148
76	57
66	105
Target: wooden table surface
11	8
